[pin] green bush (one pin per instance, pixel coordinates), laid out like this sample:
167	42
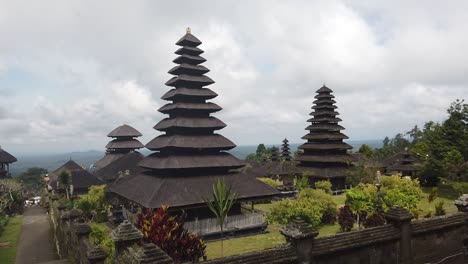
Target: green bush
460	187
100	236
326	186
313	206
439	208
94	205
346	219
271	182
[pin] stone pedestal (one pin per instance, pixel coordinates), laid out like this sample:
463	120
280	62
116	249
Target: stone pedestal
125	235
301	236
401	218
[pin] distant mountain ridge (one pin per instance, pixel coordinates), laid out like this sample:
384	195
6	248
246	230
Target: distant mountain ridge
87	158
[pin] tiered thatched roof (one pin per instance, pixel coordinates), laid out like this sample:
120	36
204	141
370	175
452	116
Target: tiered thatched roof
124	140
285	150
324	153
189	156
403	162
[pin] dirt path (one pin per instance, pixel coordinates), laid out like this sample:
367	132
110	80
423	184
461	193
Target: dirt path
36	241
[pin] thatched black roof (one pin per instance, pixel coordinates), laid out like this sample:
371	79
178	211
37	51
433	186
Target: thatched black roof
80	178
124	140
124	131
152	191
124	164
6	157
403	161
189	156
324	153
107	159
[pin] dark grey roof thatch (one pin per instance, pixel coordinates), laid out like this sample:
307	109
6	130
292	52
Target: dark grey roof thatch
188	92
125	163
107	159
6	157
152	191
80	178
124	131
160	161
190	122
124	144
214	141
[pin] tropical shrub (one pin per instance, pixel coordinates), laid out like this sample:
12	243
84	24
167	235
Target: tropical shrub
346	219
100	236
94	205
460	187
359	203
326	186
313	206
373	220
168	233
269	181
301	182
439	208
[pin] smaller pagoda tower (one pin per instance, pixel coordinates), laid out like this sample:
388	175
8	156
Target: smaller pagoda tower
325	154
5	160
285	150
274	156
404	163
124	140
121	155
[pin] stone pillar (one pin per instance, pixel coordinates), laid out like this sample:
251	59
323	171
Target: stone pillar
301	236
462	205
401	218
125	235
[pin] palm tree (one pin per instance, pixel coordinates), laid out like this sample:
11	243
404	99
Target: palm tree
221	203
65	180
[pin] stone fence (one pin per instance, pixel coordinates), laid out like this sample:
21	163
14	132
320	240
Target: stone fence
440	240
72	240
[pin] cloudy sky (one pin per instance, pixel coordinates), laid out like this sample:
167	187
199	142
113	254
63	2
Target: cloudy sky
71	71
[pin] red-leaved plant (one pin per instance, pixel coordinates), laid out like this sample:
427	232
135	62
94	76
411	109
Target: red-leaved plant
168	233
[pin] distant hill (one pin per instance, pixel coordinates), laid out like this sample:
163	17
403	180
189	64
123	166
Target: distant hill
52	162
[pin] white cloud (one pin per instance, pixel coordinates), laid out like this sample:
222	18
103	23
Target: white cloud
391	65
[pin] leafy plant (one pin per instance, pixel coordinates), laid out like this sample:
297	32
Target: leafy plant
326	186
221	203
346	219
373	220
168	233
313	206
358	202
432	195
94	205
439	208
269	181
100	236
65	180
301	182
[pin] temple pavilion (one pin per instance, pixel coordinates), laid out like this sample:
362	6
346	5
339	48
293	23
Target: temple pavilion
189	156
404	163
81	179
121	156
324	155
5	160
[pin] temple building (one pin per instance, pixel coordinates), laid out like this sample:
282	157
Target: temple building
324	155
121	156
404	163
5	160
189	157
81	179
285	150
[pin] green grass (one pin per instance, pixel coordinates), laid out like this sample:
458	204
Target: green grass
10	236
236	246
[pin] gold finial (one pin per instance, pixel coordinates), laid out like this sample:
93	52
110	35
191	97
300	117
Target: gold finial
189	31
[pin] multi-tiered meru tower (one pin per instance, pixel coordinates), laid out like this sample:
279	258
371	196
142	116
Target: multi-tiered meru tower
325	154
189	156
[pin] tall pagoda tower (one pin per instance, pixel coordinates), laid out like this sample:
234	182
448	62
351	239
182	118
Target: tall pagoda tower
325	154
189	156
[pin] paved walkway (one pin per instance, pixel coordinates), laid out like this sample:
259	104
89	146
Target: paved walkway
36	240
